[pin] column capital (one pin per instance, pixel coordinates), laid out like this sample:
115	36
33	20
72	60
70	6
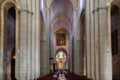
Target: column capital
109	2
74	9
47	9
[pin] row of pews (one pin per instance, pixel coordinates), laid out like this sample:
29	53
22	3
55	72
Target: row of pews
68	75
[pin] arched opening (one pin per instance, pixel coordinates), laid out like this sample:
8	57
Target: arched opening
9	41
61	59
115	33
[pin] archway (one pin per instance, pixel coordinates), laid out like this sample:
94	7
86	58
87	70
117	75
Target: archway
115	33
9	46
9	35
61	59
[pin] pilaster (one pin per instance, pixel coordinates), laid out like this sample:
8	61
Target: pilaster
23	40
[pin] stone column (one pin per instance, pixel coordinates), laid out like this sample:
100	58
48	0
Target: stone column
71	53
92	39
37	38
44	49
105	41
23	39
48	39
88	39
96	43
1	42
76	45
81	42
29	40
33	33
17	48
43	59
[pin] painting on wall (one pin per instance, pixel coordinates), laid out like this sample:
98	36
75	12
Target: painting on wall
61	39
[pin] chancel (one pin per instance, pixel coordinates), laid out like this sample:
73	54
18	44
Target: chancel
59	39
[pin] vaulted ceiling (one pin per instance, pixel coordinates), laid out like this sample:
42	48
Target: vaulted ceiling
61	13
116	2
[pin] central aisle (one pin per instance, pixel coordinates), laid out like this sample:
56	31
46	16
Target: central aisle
63	75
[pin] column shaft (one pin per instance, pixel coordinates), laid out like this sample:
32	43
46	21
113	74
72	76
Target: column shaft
105	42
44	59
17	44
33	40
96	43
29	41
1	43
23	44
92	47
37	39
87	29
76	45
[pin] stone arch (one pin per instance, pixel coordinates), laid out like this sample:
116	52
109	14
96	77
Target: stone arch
9	3
6	6
74	2
61	57
115	40
61	49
